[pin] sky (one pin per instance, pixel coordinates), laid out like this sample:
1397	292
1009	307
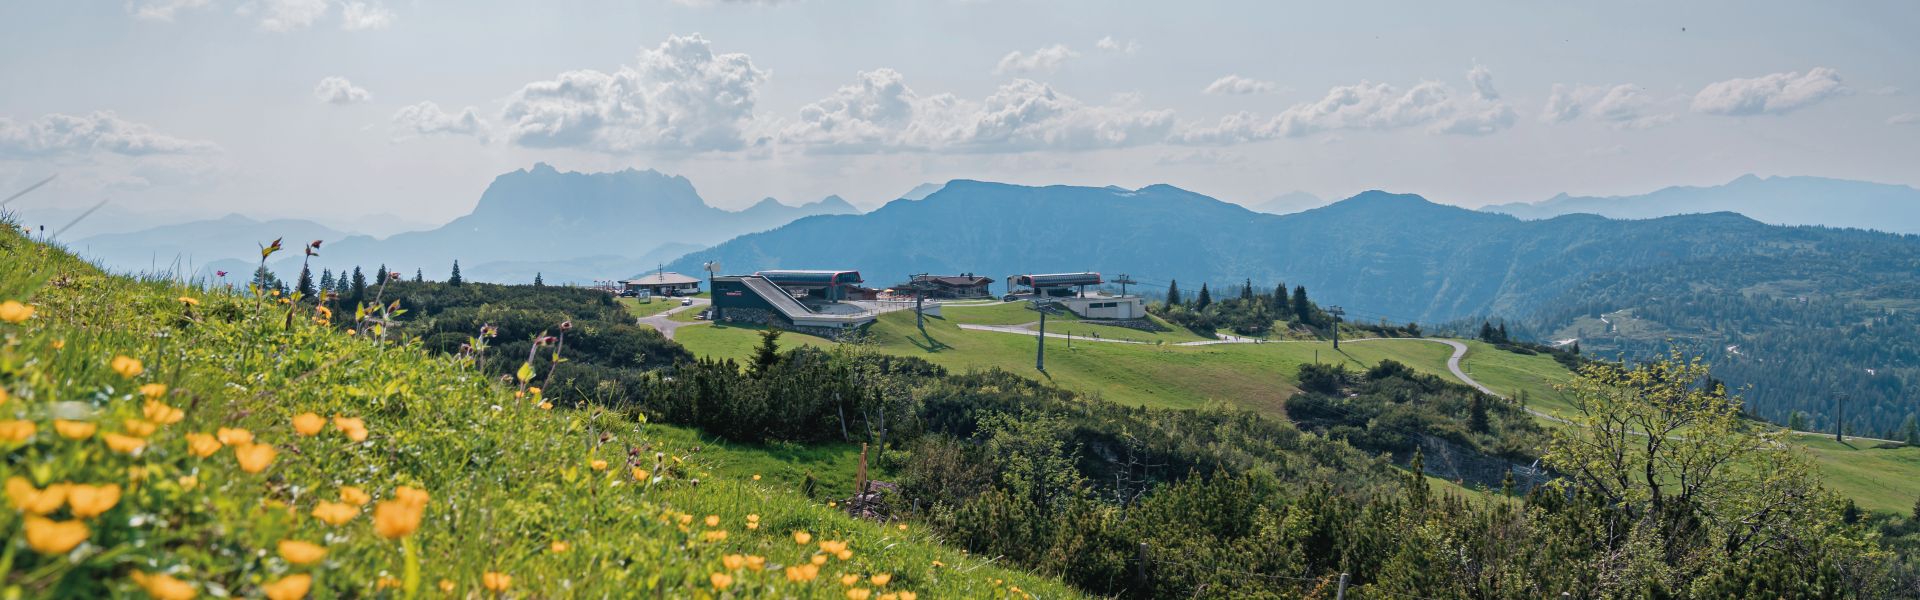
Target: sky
403	110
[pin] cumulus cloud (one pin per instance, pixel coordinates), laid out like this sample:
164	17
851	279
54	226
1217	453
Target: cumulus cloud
94	133
426	118
162	10
1482	80
879	112
1624	106
1237	85
1369	106
679	97
1774	94
287	15
358	16
1904	119
1044	60
337	90
1108	44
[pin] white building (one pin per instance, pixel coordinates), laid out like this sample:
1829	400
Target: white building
1106	307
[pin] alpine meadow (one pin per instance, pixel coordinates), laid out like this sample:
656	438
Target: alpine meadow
874	300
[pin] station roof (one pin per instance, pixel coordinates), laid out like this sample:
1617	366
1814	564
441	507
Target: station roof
816	277
1058	279
662	278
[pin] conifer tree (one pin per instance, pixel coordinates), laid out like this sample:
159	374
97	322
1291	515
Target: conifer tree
454	279
418	276
1173	293
326	280
383	275
358	290
340	286
1910	430
537	282
1246	291
305	286
767	354
1205	298
1280	301
1302	307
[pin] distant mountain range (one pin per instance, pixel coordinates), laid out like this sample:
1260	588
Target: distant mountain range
1776	200
1288	203
566	226
1761	301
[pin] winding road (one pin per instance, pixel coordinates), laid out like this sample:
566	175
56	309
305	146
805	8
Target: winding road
659	321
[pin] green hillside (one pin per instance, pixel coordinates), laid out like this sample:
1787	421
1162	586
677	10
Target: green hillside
117	390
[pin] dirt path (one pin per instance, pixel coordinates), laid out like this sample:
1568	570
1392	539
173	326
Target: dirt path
659	322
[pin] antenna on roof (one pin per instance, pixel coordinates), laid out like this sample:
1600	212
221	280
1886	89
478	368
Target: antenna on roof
1124	280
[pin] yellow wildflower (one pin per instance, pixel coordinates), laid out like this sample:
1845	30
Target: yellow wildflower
254	458
640	474
756	562
301	553
127	366
832	546
138	427
818	559
27	498
713	520
153	391
733	562
881	578
598	465
859	594
162	586
720	581
849	579
715	535
308	424
903	526
188	482
55	537
12	311
74	430
202	445
334	513
124	444
159	412
233	436
394	519
546	406
354	495
906	595
844	555
411	496
558	547
291	587
802	537
89	501
189	301
16	431
497	582
756	476
355	428
446	585
802	573
387	582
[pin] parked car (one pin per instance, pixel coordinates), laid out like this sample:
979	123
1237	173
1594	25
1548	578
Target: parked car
686	302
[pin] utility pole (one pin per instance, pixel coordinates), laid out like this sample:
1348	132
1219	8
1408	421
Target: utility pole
1340	593
1840	424
713	295
1040	354
920	287
1124	280
1337	312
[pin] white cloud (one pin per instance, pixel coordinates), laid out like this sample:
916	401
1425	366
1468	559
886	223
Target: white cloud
1237	85
426	118
679	97
1482	80
359	16
1367	106
1108	44
733	2
1774	94
1044	60
162	10
337	90
1887	91
94	133
287	15
879	113
1904	119
1623	106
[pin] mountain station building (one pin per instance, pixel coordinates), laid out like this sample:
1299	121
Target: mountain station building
663	283
952	287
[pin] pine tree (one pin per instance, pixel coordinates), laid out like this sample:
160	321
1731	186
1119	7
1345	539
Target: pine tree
1486	332
1204	299
1417	478
1246	291
537	282
1503	332
305	286
418	276
1477	415
767	354
326	280
358	290
1576	347
1302	307
340	289
1173	293
454	279
1280	301
382	276
1910	430
1797	421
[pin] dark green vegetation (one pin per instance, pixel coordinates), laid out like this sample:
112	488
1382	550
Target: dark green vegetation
1809	310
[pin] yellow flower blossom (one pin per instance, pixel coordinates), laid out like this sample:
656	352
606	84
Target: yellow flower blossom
395	519
906	595
301	553
733	562
849	579
496	582
153	391
411	496
55	537
903	526
832	546
756	562
124	444
640	474
546	406
16	431
802	537
232	436
818	559
189	301
334	513
713	520
355	428
802	573
3	395
202	445
720	581
844	555
715	535
188	482
859	594
309	424
160	413
881	579
354	495
756	476
127	366
291	587
254	458
446	585
89	501
598	465
59	344
387	582
161	586
558	547
12	311
138	427
27	498
74	430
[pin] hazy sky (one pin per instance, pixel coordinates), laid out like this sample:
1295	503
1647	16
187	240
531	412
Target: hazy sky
410	107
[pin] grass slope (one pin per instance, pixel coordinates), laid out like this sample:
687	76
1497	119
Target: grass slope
513	487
